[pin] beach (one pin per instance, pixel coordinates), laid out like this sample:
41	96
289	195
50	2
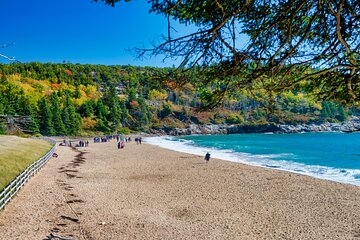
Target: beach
147	192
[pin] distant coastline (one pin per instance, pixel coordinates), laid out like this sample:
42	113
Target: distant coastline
352	125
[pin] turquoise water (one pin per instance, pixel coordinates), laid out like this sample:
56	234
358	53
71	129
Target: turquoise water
332	156
338	150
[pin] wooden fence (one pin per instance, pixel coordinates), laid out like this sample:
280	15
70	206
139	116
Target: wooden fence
12	188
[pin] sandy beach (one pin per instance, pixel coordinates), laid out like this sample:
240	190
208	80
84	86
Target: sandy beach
146	192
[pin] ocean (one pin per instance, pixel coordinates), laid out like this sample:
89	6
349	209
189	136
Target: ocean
331	156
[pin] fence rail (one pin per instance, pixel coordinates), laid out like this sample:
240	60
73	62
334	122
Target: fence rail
12	188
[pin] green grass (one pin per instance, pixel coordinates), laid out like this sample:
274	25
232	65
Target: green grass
16	154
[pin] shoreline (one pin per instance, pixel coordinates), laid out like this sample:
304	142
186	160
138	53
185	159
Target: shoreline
147	192
339	175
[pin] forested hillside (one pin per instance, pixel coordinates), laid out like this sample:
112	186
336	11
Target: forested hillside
73	99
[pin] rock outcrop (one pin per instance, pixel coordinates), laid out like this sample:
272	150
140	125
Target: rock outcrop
352	125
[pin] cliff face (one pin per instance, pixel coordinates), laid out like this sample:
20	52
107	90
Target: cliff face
352	125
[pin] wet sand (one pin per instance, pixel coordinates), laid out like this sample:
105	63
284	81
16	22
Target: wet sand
146	192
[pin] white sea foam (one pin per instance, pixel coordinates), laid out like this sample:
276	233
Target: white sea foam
349	176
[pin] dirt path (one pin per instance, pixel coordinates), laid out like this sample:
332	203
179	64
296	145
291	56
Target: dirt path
145	192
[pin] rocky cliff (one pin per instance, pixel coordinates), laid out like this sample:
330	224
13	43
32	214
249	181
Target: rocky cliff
352	125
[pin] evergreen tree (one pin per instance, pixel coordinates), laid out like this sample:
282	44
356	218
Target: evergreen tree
46	124
101	126
125	114
166	110
57	120
131	94
71	119
114	107
342	115
143	118
325	111
86	109
332	110
10	96
66	120
2	127
2	110
115	114
2	104
100	110
280	35
30	123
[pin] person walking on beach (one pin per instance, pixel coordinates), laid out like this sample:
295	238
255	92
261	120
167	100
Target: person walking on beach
207	157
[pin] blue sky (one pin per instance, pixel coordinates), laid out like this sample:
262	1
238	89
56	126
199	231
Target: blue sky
79	31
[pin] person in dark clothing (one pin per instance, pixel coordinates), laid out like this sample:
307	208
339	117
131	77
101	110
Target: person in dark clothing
207	157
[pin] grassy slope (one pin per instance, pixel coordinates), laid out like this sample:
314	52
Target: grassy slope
16	154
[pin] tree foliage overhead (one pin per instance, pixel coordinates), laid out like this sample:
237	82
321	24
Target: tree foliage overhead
7	57
238	42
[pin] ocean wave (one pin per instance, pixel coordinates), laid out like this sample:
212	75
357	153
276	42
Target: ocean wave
348	176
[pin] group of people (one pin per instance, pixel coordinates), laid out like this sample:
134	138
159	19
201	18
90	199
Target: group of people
118	138
120	144
101	139
126	139
120	141
123	140
69	143
83	143
138	140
